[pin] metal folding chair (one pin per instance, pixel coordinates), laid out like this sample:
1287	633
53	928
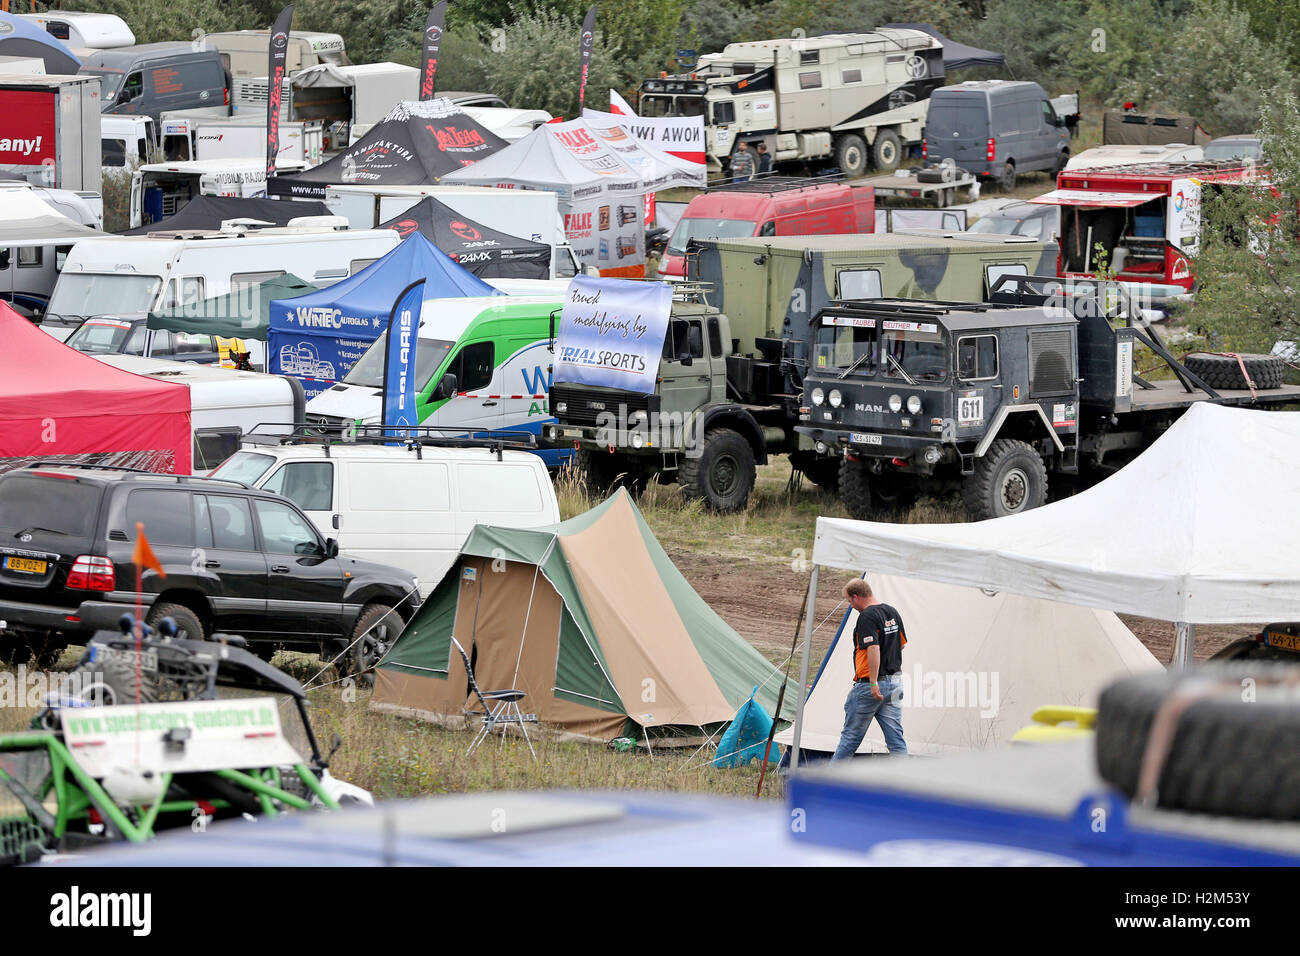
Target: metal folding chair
500	709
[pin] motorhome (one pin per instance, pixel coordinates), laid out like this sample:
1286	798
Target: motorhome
245	52
83	31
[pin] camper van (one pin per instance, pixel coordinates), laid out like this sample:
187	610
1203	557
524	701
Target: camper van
159	190
482	364
245	52
83	31
124	274
225	404
411	508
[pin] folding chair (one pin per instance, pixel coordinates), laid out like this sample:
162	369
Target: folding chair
500	708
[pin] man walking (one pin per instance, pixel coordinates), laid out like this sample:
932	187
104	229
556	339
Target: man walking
742	163
877	691
764	159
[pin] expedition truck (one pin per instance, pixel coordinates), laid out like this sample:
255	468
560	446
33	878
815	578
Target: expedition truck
852	98
734	358
992	398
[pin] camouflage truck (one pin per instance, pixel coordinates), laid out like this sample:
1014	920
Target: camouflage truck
738	348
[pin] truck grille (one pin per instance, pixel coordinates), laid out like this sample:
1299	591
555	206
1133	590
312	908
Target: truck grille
1051	366
584	407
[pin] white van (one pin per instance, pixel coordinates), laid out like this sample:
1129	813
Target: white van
124	274
401	506
225	404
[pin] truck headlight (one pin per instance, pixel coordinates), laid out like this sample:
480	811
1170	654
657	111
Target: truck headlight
818	396
895	403
914	404
561	407
932	455
836	398
637	439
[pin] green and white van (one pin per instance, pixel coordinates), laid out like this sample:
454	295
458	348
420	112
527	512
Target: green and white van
482	364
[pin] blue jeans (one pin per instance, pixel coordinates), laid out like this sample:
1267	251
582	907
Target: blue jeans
860	706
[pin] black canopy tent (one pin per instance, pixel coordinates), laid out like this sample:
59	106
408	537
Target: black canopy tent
209	212
956	56
488	253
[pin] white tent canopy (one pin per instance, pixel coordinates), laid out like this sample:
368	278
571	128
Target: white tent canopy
976	666
27	220
1201	528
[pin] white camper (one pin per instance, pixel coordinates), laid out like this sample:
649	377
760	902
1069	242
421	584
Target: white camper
83	31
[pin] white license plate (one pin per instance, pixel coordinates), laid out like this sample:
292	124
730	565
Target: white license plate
860	438
148	659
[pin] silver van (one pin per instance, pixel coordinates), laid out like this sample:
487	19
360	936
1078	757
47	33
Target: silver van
153	78
996	129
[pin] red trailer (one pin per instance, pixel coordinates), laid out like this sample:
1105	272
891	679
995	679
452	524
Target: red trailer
1146	219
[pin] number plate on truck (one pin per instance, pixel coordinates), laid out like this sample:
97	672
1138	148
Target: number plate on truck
860	438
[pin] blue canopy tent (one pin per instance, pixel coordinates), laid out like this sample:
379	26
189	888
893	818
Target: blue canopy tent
319	336
23	38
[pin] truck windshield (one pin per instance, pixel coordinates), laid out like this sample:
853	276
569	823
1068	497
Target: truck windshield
665	105
369	370
917	352
896	353
688	229
845	347
110	81
79	294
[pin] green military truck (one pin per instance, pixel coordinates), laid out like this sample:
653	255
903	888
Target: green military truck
739	345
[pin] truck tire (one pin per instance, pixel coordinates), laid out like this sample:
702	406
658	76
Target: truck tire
855	489
886	151
187	622
851	155
112	681
604	472
1223	371
1230	755
1008	178
824	472
1009	479
723	475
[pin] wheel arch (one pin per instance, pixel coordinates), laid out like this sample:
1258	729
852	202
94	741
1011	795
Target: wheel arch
738	420
1027	423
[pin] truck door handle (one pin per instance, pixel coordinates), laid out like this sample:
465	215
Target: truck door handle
280	569
212	564
486	404
702	378
335	522
995	386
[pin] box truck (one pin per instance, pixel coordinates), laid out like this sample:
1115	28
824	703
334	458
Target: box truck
49	130
206	138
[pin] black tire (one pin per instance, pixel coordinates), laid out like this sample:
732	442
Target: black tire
723	475
824	471
855	489
1009	479
851	155
187	622
1223	371
892	491
603	472
1008	178
113	681
886	151
1230	755
1062	158
373	635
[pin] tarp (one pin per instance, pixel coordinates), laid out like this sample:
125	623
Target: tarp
26	219
1093	197
209	212
319	336
1200	528
976	666
56	402
746	739
243	313
488	253
1125	128
956	56
416	144
23	38
591	619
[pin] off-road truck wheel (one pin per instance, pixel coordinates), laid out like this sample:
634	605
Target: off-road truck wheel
372	637
723	475
1223	371
188	624
851	155
855	489
892	491
1008	178
1009	479
824	472
112	681
1234	752
886	151
603	471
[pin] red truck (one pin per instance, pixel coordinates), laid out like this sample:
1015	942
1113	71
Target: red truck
49	130
773	206
1146	219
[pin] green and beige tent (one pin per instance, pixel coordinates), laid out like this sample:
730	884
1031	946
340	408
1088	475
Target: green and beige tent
591	619
241	314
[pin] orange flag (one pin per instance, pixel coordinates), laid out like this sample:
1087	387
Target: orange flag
143	555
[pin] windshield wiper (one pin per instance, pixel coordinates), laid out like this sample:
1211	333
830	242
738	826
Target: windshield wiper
856	363
899	365
19	534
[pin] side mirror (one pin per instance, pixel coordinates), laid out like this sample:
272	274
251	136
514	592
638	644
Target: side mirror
331	548
686	360
446	388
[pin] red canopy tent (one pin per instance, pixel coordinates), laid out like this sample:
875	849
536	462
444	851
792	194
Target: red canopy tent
56	402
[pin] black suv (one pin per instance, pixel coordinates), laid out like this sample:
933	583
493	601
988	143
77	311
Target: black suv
237	559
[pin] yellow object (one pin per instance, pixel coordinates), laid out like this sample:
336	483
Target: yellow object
1048	721
226	349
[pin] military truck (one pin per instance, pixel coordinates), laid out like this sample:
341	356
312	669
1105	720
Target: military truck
992	398
738	348
852	98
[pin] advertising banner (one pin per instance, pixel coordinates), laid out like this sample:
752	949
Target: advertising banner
275	67
432	42
318	344
399	360
588	41
607	232
612	333
1184	217
680	136
27	128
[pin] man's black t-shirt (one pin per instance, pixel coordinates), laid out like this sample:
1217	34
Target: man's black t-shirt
880	625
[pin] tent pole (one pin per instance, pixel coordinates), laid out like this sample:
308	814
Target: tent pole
803	669
1184	644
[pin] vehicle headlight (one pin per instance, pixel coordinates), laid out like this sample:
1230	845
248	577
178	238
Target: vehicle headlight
818	396
637	419
561	407
895	403
914	404
836	398
637	439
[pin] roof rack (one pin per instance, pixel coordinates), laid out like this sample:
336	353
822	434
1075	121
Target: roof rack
932	307
130	472
775	184
413	439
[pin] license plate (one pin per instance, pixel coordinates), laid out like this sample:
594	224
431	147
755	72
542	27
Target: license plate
25	564
859	438
148	660
1287	642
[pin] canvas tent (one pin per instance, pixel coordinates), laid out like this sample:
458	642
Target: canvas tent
600	174
209	212
486	252
242	314
22	38
417	143
319	336
1125	128
956	56
977	665
591	619
56	402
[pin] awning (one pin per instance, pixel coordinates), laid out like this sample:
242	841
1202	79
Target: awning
1093	197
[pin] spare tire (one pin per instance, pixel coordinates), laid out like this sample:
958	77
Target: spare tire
113	681
1224	371
1234	750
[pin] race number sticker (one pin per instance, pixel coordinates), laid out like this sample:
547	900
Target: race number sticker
970	408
